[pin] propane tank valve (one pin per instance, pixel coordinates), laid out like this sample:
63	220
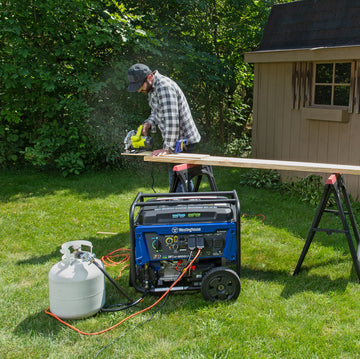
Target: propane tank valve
85	256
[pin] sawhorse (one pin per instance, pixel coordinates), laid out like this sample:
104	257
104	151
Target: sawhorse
335	185
184	173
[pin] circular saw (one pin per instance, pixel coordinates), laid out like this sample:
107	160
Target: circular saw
135	142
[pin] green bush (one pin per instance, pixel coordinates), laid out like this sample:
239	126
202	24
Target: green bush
52	60
308	189
239	147
12	141
70	163
61	145
259	178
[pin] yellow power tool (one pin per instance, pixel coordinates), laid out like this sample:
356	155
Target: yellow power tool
135	142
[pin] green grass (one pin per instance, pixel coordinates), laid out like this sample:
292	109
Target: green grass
313	315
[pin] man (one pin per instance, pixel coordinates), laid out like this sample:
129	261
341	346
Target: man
169	108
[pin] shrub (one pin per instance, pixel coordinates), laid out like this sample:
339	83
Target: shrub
260	178
61	146
308	189
52	57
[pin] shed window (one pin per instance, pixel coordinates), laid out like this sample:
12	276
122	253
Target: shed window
332	84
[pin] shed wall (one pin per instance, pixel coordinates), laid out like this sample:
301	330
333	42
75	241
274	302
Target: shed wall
282	133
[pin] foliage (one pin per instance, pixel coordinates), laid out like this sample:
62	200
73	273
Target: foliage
259	178
12	141
63	146
51	60
308	189
66	62
239	147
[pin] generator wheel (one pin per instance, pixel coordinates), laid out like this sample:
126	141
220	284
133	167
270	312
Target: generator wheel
220	283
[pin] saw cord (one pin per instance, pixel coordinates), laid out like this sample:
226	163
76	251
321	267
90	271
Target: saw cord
152	178
47	311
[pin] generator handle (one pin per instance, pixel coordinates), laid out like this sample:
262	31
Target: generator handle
202	198
238	231
132	274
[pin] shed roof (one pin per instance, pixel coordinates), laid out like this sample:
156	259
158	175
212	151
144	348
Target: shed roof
312	24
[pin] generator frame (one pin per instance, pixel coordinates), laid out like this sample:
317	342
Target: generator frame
217	272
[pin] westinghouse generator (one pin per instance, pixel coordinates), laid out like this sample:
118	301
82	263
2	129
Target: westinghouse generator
167	229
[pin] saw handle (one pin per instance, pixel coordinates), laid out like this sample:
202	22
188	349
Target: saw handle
137	136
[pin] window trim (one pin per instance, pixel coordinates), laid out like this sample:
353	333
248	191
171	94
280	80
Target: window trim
333	84
302	85
324	114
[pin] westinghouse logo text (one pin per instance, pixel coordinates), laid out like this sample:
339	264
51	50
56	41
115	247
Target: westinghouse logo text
185	230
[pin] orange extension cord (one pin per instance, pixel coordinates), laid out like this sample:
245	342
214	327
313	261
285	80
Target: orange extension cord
47	311
108	262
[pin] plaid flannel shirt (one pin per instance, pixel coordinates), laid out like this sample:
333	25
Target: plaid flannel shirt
171	113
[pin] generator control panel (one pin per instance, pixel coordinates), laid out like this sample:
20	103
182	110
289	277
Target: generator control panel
168	246
177	242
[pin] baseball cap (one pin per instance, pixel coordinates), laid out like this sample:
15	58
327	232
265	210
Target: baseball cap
137	74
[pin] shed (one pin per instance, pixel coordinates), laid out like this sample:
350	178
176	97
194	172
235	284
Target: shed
307	85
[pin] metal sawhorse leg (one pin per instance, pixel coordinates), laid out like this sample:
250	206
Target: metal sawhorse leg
335	185
184	173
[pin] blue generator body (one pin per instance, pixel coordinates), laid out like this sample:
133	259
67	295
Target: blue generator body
168	229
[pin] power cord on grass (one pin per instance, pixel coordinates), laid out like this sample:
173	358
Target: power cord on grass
47	311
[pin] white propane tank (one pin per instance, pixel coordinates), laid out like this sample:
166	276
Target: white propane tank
76	286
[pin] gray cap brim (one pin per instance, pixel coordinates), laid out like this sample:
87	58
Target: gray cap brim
135	86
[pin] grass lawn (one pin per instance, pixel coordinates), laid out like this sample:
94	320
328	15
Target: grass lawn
313	315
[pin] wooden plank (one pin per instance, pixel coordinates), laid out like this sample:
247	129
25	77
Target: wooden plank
255	163
143	153
177	157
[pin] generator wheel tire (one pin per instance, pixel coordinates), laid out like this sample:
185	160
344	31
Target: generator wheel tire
220	283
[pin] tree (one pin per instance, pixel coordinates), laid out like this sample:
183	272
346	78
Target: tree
203	44
52	60
63	71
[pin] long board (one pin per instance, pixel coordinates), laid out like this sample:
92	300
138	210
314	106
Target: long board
143	153
203	159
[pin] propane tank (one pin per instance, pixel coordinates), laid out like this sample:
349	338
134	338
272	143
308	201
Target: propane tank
76	285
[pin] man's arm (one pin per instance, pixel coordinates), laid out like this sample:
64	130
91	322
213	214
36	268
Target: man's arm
149	124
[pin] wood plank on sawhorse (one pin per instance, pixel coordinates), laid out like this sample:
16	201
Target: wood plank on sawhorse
335	185
203	159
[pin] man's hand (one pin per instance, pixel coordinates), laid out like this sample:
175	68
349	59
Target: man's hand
160	152
145	129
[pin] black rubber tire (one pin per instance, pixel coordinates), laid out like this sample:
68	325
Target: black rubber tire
220	283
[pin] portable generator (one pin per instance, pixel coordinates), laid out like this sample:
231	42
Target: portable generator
167	229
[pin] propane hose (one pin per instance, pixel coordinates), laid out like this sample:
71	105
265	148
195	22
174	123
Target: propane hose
119	307
90	257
